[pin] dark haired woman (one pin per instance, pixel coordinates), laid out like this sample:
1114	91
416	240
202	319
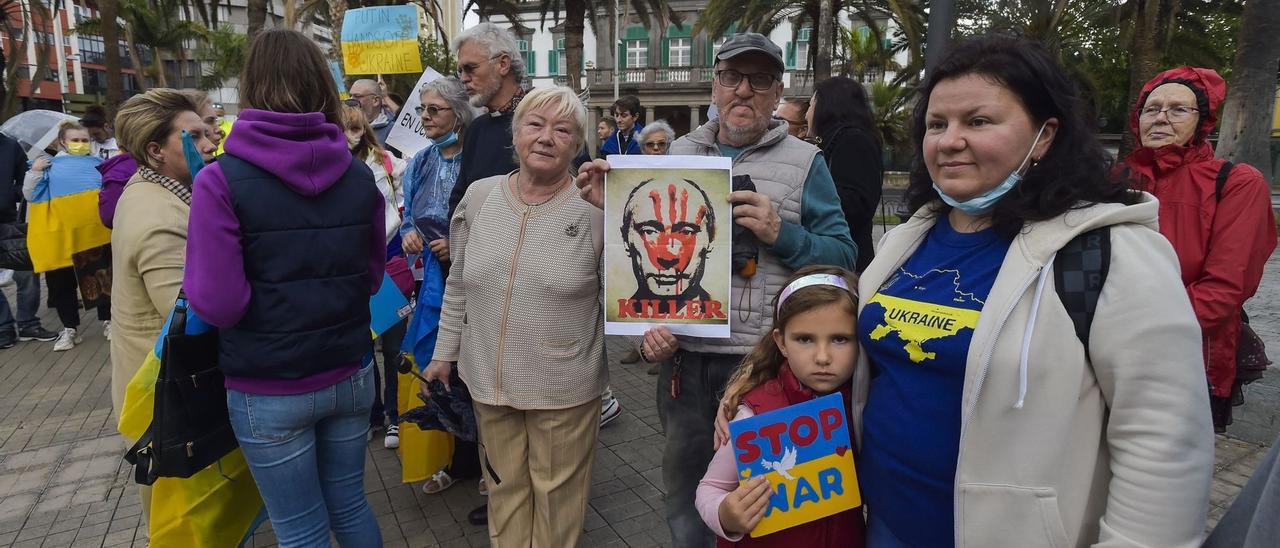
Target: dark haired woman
840	122
285	245
984	420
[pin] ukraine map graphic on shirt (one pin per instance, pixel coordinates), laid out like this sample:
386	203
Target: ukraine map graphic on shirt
919	322
916	332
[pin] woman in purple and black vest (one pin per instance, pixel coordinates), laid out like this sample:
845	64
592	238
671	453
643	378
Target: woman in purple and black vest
284	248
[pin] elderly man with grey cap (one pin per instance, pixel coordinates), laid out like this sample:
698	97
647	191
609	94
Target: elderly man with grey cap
795	220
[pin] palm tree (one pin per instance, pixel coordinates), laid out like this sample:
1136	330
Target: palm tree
257	17
864	53
26	12
156	25
1247	110
578	13
108	9
223	50
889	102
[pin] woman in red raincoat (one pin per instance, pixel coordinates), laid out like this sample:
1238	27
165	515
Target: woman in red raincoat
1222	235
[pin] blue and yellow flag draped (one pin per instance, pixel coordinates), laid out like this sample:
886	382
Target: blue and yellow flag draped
218	506
422	453
63	217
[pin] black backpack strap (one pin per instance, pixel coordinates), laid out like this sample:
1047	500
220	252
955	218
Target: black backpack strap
1079	270
1223	173
140	457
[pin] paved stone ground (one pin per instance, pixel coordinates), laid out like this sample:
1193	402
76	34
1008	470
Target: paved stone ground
62	482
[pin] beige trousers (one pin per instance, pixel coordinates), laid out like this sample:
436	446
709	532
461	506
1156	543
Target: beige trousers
542	460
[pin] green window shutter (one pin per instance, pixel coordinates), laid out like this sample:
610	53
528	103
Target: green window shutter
553	62
622	55
533	63
708	45
791	55
666	52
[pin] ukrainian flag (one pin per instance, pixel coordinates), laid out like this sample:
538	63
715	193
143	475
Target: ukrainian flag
63	215
218	506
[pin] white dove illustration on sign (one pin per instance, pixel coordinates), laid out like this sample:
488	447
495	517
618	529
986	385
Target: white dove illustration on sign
782	466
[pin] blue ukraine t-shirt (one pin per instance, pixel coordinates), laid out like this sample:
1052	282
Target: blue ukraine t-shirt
916	332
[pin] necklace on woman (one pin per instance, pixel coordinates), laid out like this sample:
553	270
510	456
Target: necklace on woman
520	192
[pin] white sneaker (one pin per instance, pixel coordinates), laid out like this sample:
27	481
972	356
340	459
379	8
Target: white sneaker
68	338
610	409
392	438
106	329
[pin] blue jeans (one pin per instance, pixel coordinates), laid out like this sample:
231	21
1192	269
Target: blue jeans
28	303
306	452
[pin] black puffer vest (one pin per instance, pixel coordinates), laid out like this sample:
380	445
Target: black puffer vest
307	262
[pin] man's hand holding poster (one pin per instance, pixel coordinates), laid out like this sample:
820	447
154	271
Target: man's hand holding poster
804	452
668	223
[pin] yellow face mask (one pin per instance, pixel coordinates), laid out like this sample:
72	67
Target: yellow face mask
79	149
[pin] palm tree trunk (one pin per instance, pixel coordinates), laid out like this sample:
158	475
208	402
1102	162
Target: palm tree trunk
574	24
257	17
1152	28
137	61
157	61
108	11
1246	115
337	13
826	31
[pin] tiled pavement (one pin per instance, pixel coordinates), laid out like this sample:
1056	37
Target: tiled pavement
62	482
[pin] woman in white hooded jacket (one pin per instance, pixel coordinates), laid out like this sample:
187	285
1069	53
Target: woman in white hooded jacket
388	171
983	419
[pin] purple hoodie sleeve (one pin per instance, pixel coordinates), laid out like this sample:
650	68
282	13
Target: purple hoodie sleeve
116	172
378	244
214	280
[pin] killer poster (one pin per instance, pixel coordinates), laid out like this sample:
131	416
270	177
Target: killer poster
668	224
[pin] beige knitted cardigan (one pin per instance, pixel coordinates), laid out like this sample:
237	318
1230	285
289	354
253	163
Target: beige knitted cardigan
522	314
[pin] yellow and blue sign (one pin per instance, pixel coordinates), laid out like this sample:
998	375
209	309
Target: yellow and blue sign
381	40
387	307
803	450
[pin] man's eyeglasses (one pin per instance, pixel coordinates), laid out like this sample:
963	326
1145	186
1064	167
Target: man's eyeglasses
759	81
1174	114
470	68
431	110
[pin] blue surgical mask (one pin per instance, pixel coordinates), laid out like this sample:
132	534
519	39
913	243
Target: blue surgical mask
195	162
446	140
982	204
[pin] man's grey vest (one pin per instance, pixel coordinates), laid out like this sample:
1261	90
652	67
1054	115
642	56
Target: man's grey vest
779	167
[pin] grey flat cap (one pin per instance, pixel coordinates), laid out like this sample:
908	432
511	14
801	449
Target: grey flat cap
749	42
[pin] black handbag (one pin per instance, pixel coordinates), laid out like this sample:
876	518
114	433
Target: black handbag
190	427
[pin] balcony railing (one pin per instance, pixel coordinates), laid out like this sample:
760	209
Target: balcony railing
652	76
800	81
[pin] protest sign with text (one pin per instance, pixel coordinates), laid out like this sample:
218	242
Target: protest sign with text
804	450
381	40
407	134
668	225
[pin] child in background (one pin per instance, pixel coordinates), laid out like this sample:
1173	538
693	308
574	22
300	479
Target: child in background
811	352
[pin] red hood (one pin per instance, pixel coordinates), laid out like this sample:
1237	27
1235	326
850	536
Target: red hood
1210	90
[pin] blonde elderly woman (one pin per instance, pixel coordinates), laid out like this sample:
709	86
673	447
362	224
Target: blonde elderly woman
522	320
149	237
